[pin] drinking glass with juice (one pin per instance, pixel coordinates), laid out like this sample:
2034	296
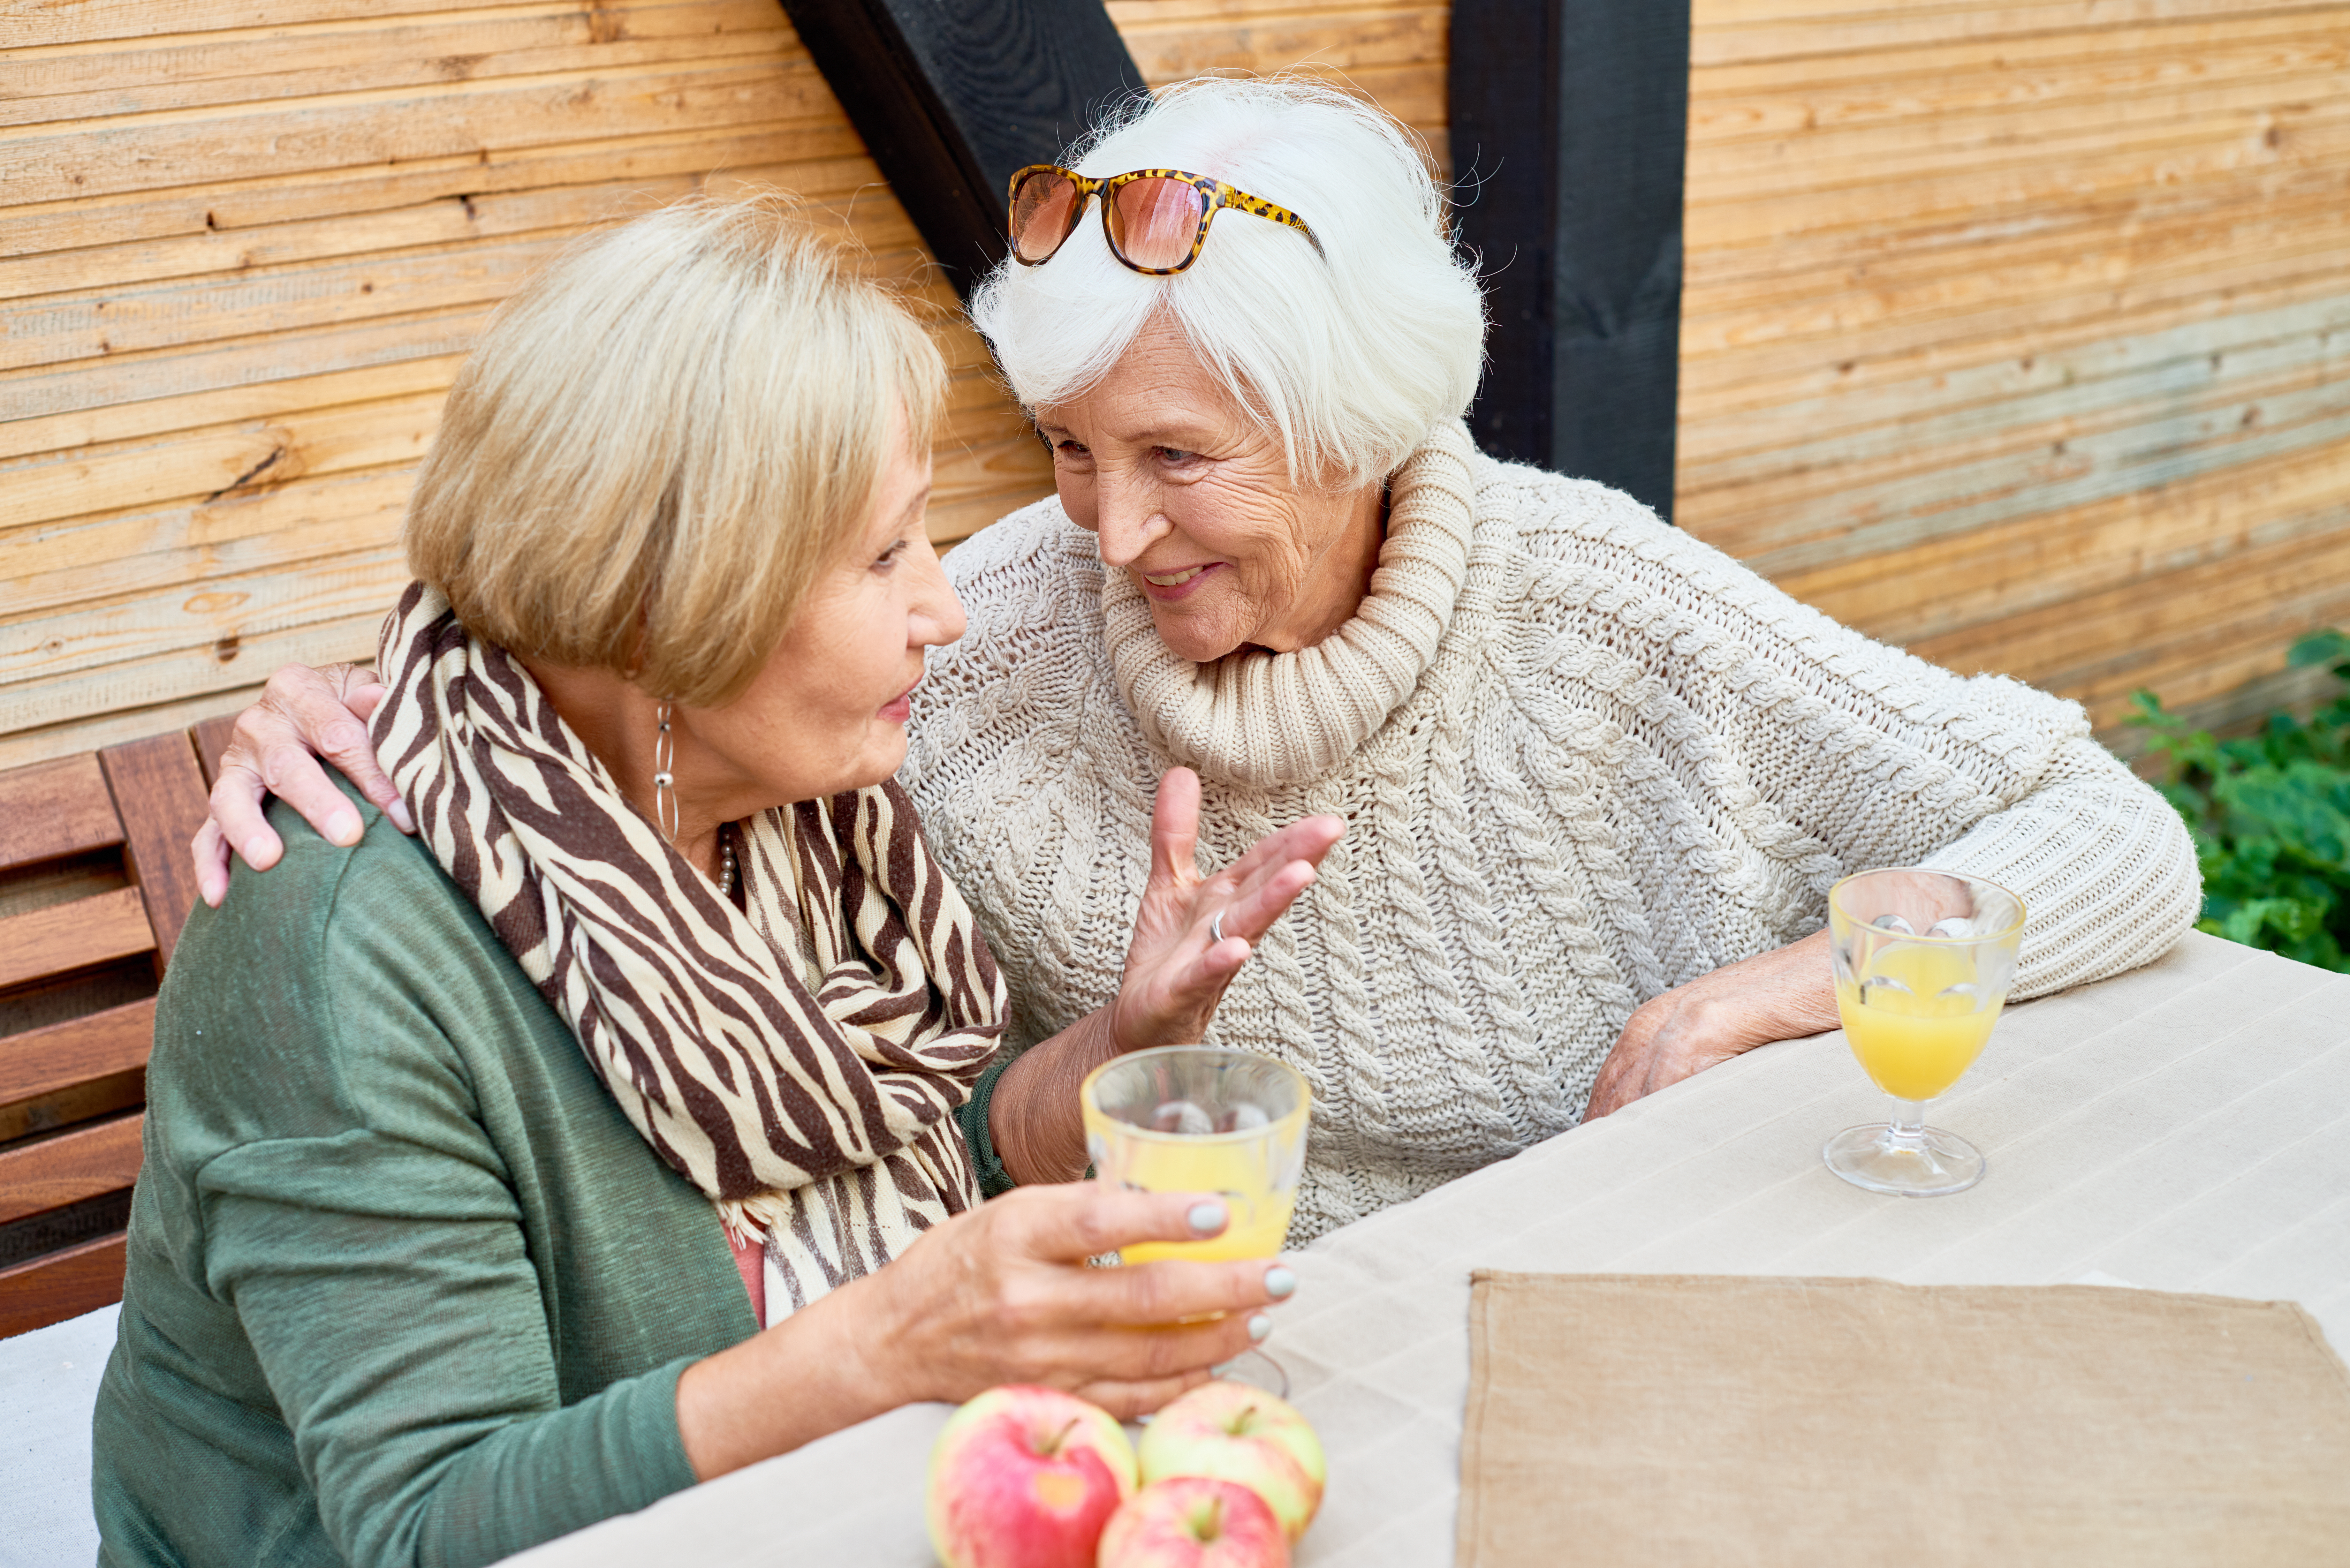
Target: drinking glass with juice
1923	963
1914	1019
1194	1118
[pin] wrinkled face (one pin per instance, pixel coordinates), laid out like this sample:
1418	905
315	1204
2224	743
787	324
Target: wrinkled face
1194	502
827	712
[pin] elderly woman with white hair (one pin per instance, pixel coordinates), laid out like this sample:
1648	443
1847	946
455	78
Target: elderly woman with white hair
1598	776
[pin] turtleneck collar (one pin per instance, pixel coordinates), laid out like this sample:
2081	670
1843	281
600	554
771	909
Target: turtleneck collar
1261	718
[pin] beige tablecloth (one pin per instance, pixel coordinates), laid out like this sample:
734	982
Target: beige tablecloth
2184	1127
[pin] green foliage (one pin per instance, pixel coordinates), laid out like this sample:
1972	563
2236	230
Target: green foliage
2271	816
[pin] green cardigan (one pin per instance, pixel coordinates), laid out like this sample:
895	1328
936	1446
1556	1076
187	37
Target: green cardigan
403	1286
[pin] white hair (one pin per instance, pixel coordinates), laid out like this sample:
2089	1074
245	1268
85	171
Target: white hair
1350	357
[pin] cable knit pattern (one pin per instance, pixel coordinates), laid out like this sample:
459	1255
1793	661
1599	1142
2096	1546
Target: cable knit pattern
1584	758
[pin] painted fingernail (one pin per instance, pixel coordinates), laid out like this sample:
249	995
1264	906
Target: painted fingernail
1259	1326
1279	1283
1207	1219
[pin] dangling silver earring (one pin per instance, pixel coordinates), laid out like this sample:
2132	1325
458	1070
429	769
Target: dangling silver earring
664	781
665	804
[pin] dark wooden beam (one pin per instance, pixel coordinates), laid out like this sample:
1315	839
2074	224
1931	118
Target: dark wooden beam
1569	134
951	96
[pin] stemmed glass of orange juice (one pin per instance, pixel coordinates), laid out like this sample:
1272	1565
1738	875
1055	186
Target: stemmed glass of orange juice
1923	963
1196	1118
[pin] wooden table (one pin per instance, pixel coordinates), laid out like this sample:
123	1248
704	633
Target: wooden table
2184	1127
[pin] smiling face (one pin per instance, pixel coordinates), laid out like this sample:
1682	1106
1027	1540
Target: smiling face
827	710
1190	498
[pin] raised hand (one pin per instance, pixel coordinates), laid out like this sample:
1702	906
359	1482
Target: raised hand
1176	969
1176	972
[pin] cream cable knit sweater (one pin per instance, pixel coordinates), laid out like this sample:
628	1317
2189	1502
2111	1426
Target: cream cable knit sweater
1584	758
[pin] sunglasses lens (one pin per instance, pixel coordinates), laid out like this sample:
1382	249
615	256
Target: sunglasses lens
1154	222
1043	210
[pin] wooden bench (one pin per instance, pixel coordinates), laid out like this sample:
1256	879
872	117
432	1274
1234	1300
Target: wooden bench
95	884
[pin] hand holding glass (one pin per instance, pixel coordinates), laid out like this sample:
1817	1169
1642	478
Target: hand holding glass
1923	963
1193	1118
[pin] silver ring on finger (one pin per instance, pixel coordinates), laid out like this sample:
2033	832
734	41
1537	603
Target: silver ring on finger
1216	928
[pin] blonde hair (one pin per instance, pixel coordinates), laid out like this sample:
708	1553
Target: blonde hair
662	439
1349	355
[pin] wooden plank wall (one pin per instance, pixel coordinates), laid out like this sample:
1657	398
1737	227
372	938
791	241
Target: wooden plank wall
2014	330
243	244
2018	331
1392	51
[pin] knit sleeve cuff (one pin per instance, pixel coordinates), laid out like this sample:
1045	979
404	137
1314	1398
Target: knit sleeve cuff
2105	866
993	1179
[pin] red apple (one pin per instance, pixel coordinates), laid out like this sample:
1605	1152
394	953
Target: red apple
1236	1433
1193	1522
1024	1478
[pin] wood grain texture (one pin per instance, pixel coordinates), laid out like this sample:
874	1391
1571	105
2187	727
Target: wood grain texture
40	1064
1392	52
1991	311
247	65
212	737
54	810
130	698
2019	333
1996	318
97	730
66	1283
159	793
244	244
65	938
67	1167
178	148
243	247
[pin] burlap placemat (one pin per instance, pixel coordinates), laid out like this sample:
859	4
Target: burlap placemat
1658	1418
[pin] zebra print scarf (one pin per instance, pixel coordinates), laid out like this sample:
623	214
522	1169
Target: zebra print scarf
797	1059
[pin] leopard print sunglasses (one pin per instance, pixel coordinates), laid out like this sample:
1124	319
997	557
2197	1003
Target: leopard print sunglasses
1156	219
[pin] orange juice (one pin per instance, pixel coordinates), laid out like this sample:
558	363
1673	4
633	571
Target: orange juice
1235	1172
1914	1034
1191	1118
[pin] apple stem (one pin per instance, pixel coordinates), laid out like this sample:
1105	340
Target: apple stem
1052	1445
1240	1423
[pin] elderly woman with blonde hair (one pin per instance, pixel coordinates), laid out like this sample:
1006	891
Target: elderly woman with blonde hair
1599	776
603	1137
